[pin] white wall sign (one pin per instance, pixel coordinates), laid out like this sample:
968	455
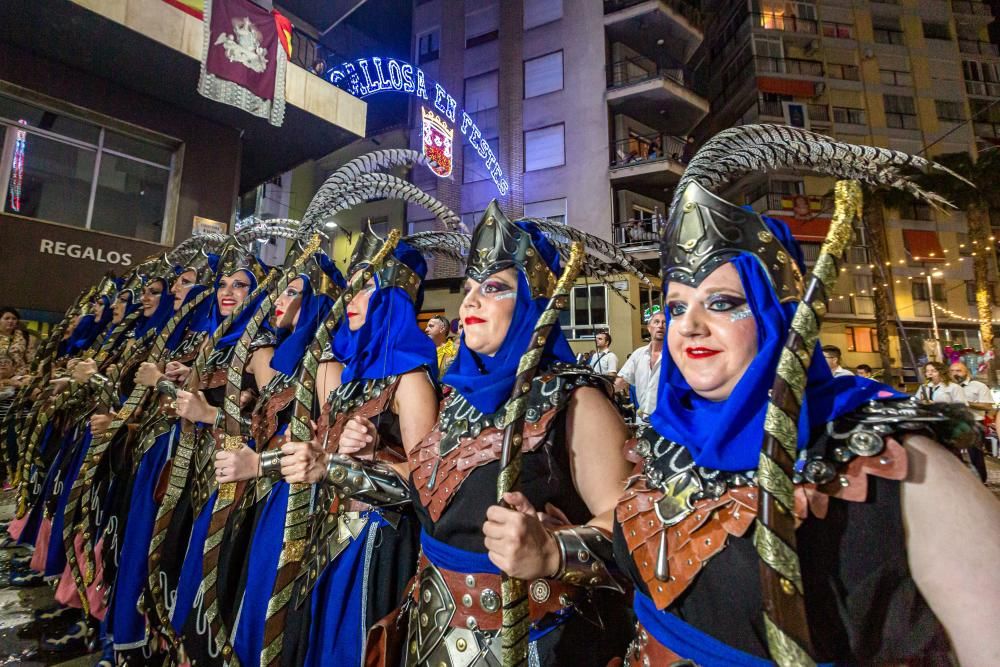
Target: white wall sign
77	251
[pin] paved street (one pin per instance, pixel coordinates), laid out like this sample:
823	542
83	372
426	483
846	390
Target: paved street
19	632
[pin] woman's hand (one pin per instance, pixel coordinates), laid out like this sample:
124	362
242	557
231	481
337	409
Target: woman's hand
303	462
148	374
177	372
517	541
84	370
359	438
99	423
194	407
58	384
236	466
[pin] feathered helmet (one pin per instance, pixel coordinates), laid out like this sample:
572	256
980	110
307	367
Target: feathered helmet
394	272
498	244
704	231
233	257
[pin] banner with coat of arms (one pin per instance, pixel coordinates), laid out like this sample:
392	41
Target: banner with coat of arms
438	143
243	59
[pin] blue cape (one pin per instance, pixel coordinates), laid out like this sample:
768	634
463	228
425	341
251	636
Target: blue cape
389	342
727	435
487	382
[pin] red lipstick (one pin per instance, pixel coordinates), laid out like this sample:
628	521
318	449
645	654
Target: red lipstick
700	352
472	319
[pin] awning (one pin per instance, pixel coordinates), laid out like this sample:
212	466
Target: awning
923	246
807	229
793	87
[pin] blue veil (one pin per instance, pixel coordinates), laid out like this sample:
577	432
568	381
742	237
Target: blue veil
487	382
389	342
210	321
312	311
727	435
160	317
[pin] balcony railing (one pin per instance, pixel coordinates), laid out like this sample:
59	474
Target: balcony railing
638	69
794	66
983	88
770	108
978	48
693	16
774	21
312	56
637	233
650	148
977	8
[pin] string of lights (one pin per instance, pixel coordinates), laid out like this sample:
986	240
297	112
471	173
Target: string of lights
954	315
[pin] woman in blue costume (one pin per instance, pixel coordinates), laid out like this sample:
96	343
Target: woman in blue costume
108	393
688	527
359	558
238	272
55	450
254	532
572	469
154	442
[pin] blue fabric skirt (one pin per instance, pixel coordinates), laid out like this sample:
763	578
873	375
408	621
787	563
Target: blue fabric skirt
191	570
128	626
55	559
262	570
37	510
337	626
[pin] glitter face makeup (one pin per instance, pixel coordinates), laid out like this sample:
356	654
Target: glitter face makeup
740	314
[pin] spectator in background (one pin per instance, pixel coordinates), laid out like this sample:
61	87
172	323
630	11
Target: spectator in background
832	355
642	369
603	360
980	402
437	329
863	370
939	388
689	150
14	342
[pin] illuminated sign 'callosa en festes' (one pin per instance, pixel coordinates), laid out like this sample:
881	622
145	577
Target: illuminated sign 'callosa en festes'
368	76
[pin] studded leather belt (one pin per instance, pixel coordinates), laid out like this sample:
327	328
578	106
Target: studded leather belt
645	651
475	598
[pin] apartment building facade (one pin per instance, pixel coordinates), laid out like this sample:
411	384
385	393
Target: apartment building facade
587	107
921	77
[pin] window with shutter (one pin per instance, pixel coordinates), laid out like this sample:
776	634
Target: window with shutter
544	147
543	74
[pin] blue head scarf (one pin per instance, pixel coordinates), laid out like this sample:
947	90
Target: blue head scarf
161	315
389	342
89	328
192	319
728	434
211	320
313	309
486	382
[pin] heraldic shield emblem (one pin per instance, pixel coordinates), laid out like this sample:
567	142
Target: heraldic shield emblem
438	144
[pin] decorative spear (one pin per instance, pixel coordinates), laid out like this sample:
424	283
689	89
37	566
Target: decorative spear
781	578
514	631
297	517
233	440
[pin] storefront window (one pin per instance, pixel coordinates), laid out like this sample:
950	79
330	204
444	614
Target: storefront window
49	180
61	169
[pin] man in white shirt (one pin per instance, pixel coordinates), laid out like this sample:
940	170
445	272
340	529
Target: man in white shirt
603	361
980	403
832	355
642	369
